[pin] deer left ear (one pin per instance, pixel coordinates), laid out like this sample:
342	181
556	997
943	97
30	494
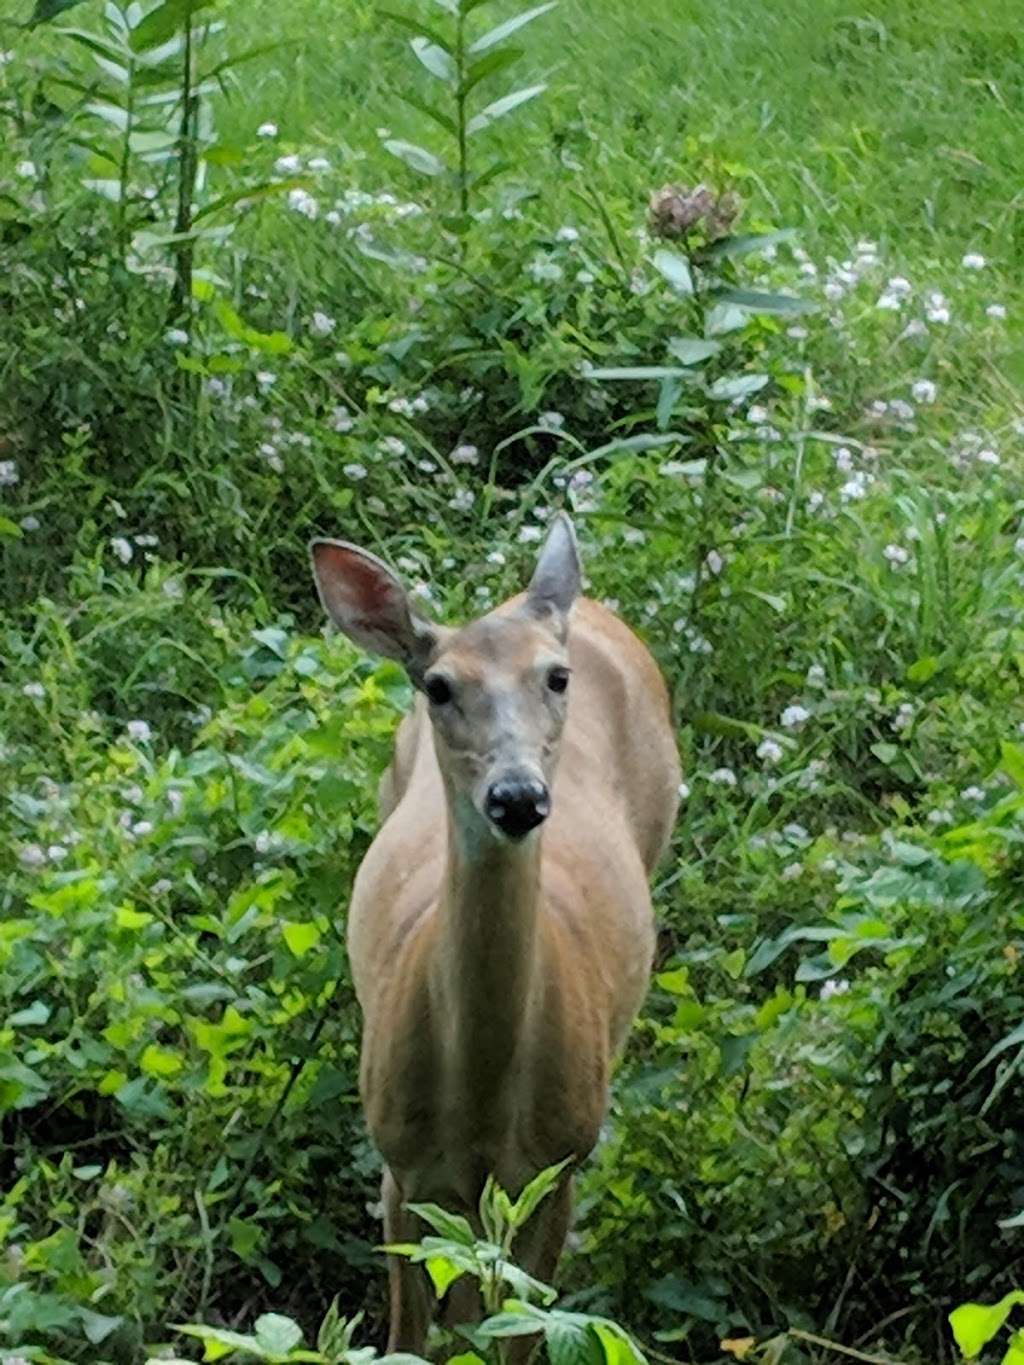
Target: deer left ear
556	580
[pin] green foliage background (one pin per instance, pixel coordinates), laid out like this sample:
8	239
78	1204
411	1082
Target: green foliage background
817	1123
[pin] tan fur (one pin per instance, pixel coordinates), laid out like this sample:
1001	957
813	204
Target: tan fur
496	989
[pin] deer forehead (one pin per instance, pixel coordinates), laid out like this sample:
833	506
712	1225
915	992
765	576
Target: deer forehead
498	646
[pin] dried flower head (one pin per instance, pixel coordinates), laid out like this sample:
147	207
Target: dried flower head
675	210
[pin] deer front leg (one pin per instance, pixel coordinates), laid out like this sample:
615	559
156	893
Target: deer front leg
409	1288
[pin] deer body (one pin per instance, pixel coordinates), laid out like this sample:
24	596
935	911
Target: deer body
498	969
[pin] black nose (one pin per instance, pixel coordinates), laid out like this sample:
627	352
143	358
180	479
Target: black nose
517	805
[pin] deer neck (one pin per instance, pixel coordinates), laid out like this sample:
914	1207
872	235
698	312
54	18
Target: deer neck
487	948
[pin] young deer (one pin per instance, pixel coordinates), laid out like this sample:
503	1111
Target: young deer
500	930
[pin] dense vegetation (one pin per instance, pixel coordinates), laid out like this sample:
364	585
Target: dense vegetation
253	289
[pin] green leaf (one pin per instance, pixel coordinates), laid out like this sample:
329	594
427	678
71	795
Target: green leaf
730	389
164	22
36	1013
923	669
1011	760
676	269
723	318
109	113
975	1324
1015	1351
510	26
633	372
537	1190
619	1348
435	58
300	938
247	192
414	26
692	350
726	248
492	112
220	1336
450	1225
10	528
488	66
443	1273
442	119
417	157
157	1061
766	303
46	10
668	397
98	1326
509	1325
277	1334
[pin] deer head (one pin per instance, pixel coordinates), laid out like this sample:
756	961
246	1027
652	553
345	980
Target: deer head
496	689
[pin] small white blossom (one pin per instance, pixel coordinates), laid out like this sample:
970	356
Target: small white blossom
714	562
34	689
141	828
816	676
463	501
683	791
987	456
914	328
834	291
303	202
900	286
29	523
32	855
321	325
924	391
791	871
288	165
844	459
723	777
122	548
139	731
996	310
567	234
320	163
176	336
465	454
770	751
341	419
530	535
56	853
26	170
973	261
834	986
354	471
161	887
267	130
901	410
551	421
794	716
9	475
973	794
216	388
1018	545
936	307
266	379
896	554
393	445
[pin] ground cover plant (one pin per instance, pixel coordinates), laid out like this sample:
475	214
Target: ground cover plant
739	287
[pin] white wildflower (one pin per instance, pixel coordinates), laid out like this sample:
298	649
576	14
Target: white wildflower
267	130
683	791
354	471
924	391
141	828
936	307
34	689
1018	545
996	310
723	777
714	562
122	548
216	388
9	475
896	554
844	459
530	535
26	170
341	419
176	336
816	676
914	328
834	986
32	855
139	731
987	456
900	286
463	501
393	445
320	163
973	794
794	716
769	751
465	454
567	234
288	165
791	871
56	853
321	325
551	421
29	523
834	291
266	379
303	202
973	261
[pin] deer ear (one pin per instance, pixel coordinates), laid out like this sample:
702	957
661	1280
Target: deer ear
556	580
368	603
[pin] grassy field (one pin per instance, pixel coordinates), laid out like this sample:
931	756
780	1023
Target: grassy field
819	528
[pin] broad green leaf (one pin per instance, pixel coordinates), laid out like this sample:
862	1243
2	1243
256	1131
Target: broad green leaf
510	26
619	1348
165	22
248	192
692	350
509	1325
417	157
443	1273
450	1225
10	528
158	1061
757	302
1015	1350
730	388
1014	1038
300	938
489	66
676	269
728	247
277	1334
114	70
1011	760
1017	1221
492	112
109	113
110	189
272	343
435	58
46	10
97	1326
923	669
537	1190
975	1324
668	397
36	1013
220	1336
723	318
442	119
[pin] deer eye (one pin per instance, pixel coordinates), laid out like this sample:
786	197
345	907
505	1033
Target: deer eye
558	679
438	689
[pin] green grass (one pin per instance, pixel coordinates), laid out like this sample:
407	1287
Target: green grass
816	1124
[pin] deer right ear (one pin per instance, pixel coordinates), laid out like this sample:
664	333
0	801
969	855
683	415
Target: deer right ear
368	603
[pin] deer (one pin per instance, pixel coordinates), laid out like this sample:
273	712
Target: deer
500	930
